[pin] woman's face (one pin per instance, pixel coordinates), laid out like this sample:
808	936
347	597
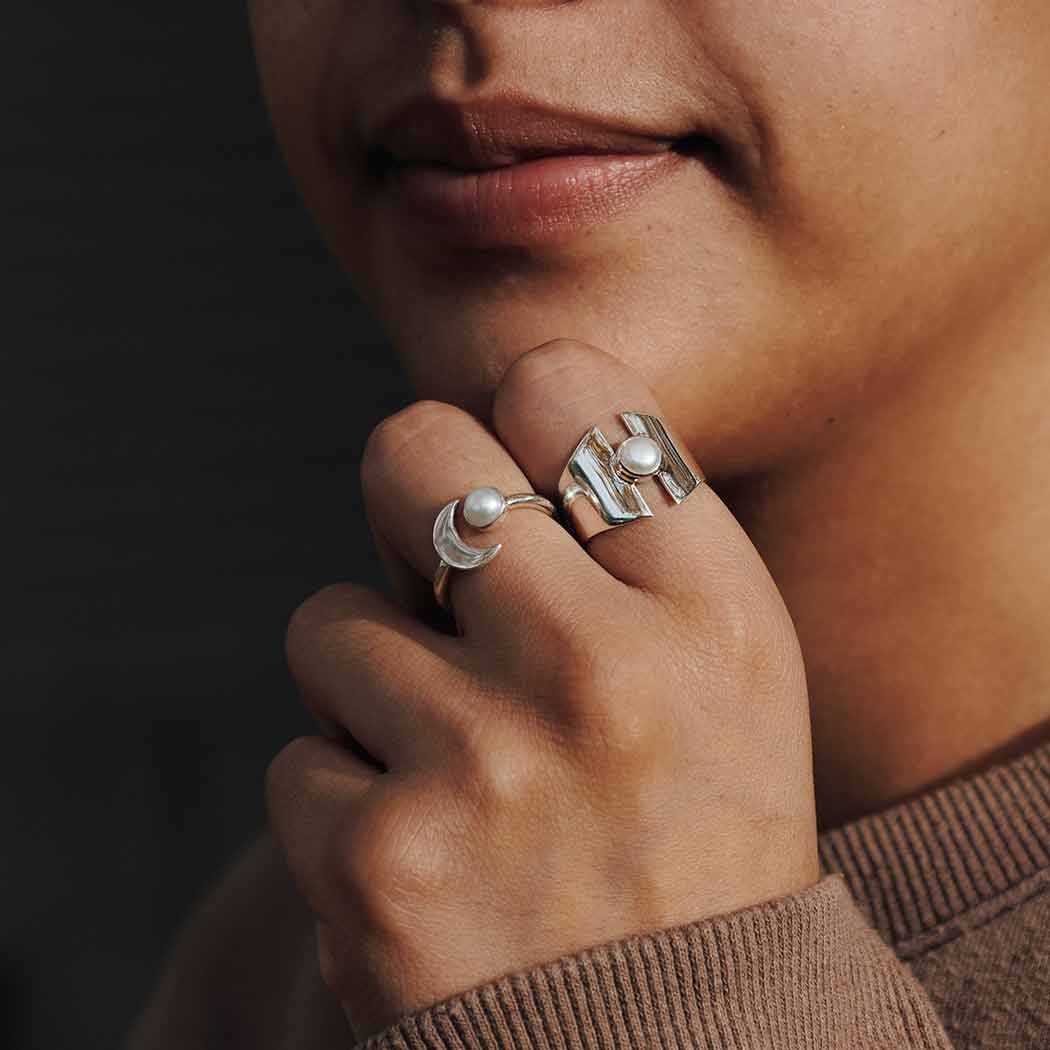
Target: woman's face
878	182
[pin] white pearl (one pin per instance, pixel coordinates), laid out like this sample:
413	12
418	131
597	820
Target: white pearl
640	457
484	507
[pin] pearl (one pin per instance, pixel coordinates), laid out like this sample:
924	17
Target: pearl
484	507
639	457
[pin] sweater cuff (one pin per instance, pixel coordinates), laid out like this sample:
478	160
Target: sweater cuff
802	971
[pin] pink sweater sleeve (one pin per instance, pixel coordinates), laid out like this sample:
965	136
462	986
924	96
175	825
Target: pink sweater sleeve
804	971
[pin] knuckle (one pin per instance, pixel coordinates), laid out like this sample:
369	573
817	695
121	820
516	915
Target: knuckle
512	770
390	854
283	778
305	620
394	436
313	619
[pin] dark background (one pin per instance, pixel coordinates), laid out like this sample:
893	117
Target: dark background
187	384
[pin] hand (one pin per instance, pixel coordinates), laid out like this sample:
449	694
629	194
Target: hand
617	742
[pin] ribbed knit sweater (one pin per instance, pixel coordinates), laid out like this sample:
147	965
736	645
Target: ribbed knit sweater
929	929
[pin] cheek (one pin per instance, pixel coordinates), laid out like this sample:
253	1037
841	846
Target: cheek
312	56
906	147
294	52
900	133
288	39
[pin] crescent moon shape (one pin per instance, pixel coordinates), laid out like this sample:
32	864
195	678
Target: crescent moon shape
450	546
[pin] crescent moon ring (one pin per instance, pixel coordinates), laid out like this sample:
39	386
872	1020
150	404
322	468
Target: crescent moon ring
454	553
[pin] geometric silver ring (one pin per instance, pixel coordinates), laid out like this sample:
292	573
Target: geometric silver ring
599	487
482	508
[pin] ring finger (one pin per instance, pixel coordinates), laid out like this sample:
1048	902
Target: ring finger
427	455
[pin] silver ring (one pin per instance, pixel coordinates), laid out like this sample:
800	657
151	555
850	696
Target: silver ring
482	508
599	487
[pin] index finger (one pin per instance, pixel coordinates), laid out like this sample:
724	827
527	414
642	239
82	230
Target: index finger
548	400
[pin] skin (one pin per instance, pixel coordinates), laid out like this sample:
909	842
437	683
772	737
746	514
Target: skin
849	334
553	776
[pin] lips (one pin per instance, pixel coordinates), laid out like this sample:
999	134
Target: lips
512	172
501	133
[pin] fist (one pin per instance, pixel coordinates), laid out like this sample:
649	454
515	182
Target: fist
614	741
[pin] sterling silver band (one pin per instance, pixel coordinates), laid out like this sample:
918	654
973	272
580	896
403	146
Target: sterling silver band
599	487
482	509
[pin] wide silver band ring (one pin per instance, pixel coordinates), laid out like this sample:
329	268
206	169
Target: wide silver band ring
599	487
482	509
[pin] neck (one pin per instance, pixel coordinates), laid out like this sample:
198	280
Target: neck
913	551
